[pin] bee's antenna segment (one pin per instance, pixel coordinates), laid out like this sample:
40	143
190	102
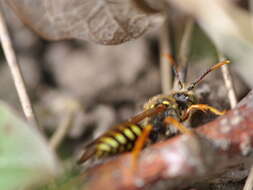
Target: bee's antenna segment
214	67
173	64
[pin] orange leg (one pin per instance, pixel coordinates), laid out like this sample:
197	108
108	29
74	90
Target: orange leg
178	125
144	136
142	139
202	107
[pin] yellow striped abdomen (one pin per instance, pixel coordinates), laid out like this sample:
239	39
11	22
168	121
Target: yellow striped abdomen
118	140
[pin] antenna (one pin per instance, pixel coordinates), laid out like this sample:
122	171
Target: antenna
214	67
173	64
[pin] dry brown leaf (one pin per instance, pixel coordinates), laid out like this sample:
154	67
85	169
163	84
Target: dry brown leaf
101	21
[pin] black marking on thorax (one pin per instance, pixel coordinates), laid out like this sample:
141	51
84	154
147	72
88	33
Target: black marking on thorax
159	128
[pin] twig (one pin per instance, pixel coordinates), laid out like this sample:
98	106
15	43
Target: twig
165	67
251	10
71	108
185	47
185	159
249	182
62	130
16	73
228	82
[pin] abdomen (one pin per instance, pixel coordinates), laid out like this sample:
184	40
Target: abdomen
118	140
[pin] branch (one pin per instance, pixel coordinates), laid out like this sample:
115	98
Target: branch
65	125
184	159
228	82
249	182
16	72
165	48
185	45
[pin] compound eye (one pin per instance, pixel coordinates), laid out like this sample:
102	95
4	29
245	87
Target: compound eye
178	96
181	97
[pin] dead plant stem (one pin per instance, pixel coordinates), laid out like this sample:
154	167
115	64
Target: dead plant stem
249	182
62	130
228	82
165	67
16	72
184	49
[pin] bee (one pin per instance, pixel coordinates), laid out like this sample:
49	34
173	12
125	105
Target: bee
160	112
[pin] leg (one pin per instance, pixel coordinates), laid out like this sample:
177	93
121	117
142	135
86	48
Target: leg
178	125
202	107
142	139
136	151
144	136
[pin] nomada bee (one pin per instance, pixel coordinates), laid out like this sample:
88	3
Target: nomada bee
160	112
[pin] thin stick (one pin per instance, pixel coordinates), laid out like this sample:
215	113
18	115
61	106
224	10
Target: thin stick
249	182
165	67
251	10
228	82
16	73
62	130
185	48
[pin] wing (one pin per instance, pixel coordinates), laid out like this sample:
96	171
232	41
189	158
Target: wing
90	151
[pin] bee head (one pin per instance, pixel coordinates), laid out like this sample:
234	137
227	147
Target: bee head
185	99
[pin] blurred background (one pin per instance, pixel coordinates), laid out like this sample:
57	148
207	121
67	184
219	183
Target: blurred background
97	86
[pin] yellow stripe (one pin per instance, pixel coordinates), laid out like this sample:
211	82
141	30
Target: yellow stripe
129	134
165	102
110	141
120	138
136	129
103	147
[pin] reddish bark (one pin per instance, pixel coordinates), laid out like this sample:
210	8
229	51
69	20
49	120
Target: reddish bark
185	159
